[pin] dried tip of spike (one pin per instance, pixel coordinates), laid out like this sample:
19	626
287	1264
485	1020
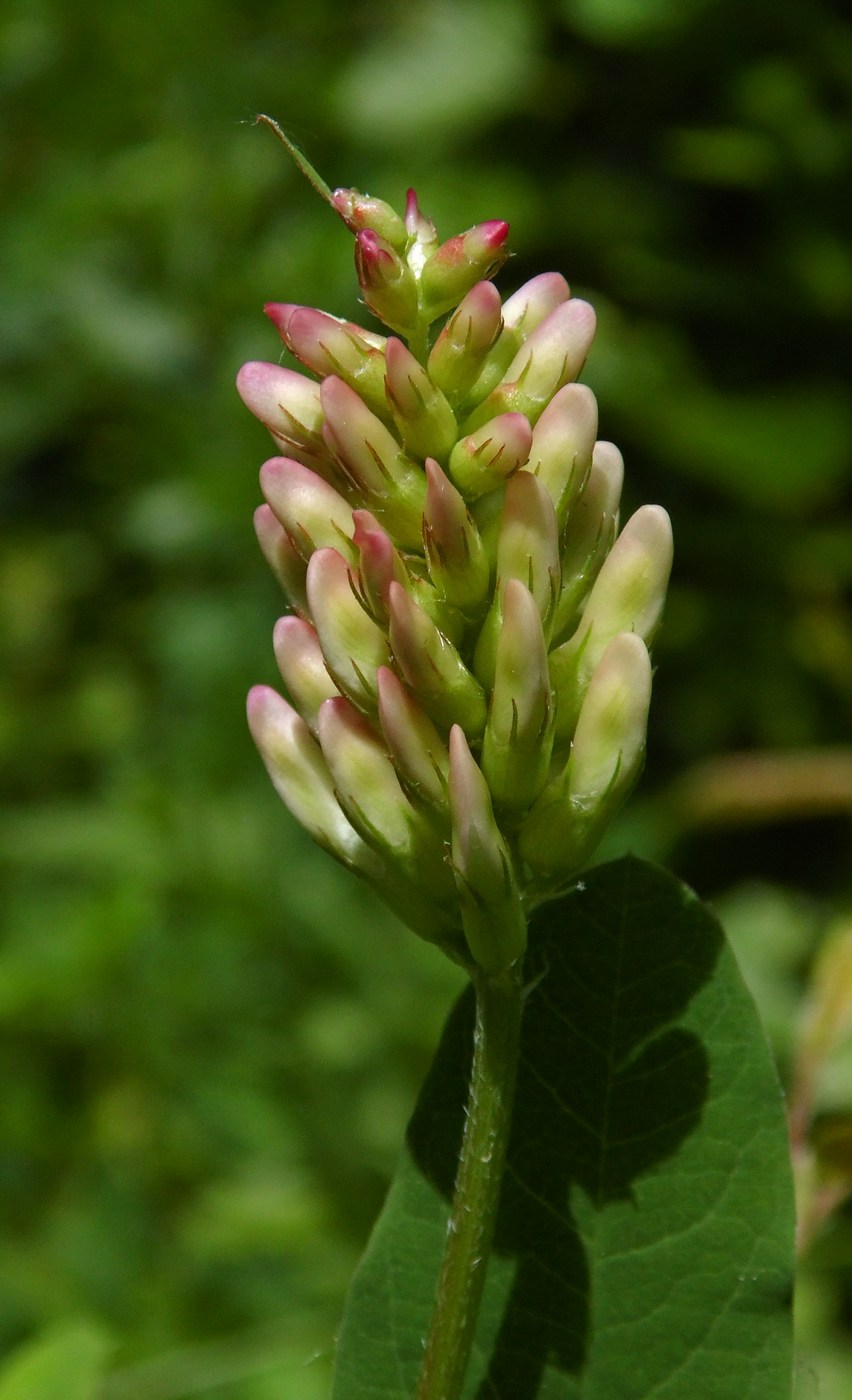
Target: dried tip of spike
311	175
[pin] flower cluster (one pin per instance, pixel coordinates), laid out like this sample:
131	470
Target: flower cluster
466	652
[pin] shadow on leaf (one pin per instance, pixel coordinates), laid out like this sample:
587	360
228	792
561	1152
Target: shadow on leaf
609	1087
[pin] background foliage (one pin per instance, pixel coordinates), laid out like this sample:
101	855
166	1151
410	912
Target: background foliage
210	1038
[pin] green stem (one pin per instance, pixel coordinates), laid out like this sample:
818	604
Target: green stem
477	1190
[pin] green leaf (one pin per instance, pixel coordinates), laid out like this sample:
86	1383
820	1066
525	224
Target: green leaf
65	1363
645	1237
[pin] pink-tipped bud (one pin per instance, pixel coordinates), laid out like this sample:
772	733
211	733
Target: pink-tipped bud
380	564
467	258
370	458
302	666
519	733
521	314
562	446
458	564
486	457
370	793
607	756
551	356
302	780
425	421
415	745
589	535
287	404
534	301
328	345
314	515
282	556
456	359
432	667
627	596
528	550
363	211
353	646
495	925
528	546
387	282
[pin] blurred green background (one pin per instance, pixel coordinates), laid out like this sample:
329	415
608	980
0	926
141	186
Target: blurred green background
210	1037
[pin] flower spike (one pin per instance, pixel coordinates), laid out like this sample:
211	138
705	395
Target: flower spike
467	656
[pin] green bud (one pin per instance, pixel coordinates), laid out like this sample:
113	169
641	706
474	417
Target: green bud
589	536
363	211
459	263
523	311
493	915
430	664
387	282
414	743
607	755
313	514
485	458
627	596
301	778
386	480
328	345
458	564
551	356
282	556
302	666
459	353
353	646
519	732
562	446
423	417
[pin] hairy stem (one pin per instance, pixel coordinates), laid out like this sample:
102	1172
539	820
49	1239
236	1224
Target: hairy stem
470	1228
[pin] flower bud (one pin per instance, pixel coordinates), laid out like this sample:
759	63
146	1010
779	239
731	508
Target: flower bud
430	664
302	666
562	446
527	549
387	282
523	311
422	234
495	924
425	421
282	556
301	778
363	211
328	345
458	564
288	405
589	535
627	596
483	459
314	515
459	353
414	743
365	780
353	646
607	755
519	732
380	564
551	356
453	268
389	483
